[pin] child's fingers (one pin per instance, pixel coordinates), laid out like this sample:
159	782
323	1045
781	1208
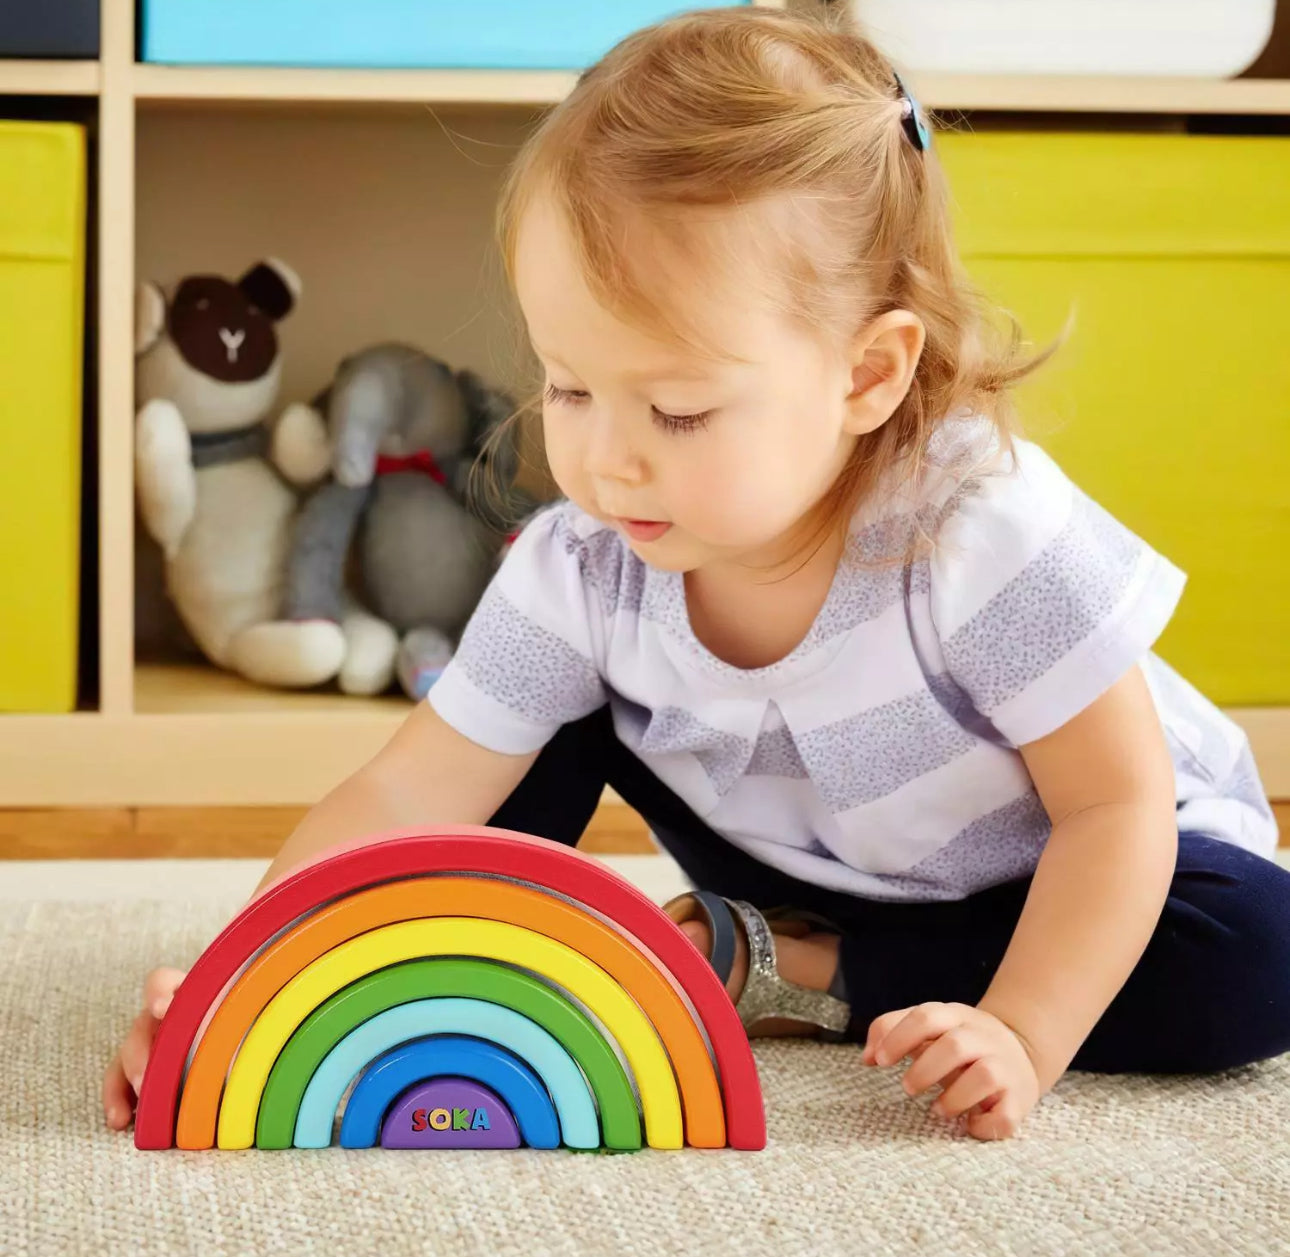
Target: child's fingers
926	1021
999	1122
159	988
123	1078
975	1085
879	1028
955	1050
880	1043
117	1104
135	1049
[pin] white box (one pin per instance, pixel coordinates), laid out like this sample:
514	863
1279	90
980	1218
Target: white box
1215	38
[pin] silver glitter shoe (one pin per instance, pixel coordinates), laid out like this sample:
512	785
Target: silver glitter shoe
765	993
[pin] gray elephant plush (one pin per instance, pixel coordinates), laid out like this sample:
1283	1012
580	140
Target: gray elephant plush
404	432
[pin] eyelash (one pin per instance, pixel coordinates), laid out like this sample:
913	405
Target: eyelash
671	423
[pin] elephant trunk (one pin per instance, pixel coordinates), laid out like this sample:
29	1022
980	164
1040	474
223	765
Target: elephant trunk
363	411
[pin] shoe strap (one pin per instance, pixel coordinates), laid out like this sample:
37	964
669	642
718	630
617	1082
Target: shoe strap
721	924
766	994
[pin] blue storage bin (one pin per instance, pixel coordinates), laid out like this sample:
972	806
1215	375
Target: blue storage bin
389	34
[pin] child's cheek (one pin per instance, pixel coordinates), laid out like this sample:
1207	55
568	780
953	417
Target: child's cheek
725	499
563	457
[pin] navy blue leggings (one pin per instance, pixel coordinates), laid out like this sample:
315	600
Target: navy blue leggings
1211	991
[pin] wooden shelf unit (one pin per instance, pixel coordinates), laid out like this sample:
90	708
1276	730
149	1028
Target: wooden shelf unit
176	736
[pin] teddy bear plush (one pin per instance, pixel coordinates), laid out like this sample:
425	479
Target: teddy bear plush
404	431
216	487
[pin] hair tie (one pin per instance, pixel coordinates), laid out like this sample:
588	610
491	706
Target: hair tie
912	119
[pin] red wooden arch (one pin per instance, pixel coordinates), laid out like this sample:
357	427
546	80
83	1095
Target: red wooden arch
446	849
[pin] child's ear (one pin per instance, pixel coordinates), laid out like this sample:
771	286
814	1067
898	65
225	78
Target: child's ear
884	357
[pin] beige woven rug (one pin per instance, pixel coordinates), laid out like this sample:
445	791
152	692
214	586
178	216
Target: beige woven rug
1105	1165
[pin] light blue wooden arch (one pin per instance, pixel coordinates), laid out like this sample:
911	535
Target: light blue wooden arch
495	1023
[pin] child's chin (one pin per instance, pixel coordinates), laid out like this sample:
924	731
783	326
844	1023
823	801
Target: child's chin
665	553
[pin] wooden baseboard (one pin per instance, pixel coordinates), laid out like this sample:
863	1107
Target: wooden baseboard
251	833
222	833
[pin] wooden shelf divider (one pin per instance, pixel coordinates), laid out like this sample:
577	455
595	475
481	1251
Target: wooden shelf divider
1012	93
151	84
48	78
158	83
200	738
1092	94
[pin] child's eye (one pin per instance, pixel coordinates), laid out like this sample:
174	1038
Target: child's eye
682	423
563	396
556	396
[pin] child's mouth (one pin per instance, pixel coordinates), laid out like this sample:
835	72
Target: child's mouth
643	529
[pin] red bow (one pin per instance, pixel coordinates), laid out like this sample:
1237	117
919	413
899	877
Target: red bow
422	461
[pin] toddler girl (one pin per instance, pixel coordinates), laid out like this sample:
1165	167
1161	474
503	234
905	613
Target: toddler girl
870	666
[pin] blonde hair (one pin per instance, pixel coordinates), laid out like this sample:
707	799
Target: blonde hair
732	107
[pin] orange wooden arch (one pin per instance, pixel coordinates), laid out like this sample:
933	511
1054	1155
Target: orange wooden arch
492	899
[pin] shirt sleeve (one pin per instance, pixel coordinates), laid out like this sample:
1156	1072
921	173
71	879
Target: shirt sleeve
527	660
1040	598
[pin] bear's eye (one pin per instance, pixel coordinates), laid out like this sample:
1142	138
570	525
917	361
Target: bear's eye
203	303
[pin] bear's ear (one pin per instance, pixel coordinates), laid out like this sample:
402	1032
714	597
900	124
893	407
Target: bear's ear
149	316
273	286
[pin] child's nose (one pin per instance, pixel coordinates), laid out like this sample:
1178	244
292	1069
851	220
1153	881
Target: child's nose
610	454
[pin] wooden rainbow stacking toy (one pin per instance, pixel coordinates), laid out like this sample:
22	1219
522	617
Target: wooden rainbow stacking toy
445	973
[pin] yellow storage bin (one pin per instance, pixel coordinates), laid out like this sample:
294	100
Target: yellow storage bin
1170	403
42	286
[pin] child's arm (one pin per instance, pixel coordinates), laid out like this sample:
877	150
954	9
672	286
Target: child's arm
427	774
1042	607
1106	780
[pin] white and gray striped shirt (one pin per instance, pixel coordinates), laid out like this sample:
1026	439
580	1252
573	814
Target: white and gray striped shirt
879	757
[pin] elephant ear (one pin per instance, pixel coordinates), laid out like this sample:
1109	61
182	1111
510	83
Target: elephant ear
487	407
495	451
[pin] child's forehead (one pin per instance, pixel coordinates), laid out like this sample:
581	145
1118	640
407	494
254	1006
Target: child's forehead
666	298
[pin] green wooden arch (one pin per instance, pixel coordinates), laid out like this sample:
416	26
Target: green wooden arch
330	1022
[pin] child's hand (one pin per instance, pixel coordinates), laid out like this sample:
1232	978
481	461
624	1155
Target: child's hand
124	1075
983	1066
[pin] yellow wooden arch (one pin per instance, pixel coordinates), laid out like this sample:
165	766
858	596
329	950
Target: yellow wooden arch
453	936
